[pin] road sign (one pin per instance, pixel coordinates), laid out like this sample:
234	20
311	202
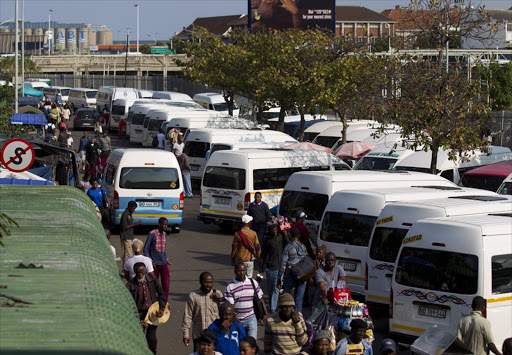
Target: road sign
160	50
17	155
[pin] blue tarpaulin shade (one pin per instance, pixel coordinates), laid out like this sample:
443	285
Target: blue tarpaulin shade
31	92
28	118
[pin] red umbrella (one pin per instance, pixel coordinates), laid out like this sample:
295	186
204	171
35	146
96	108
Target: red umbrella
306	146
354	149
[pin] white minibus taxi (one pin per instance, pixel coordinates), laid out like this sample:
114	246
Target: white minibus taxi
107	95
81	98
231	178
314	130
506	186
135	120
38	85
198	142
453	170
395	220
443	264
51	93
350	216
171	95
215	101
120	109
145	94
329	136
152	178
382	158
310	191
366	134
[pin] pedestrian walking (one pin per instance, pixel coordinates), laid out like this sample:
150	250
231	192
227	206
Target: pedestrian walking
63	137
240	293
145	291
185	173
127	234
201	310
245	247
99	196
93	156
106	148
294	252
321	344
161	139
82	147
155	249
355	343
66	114
138	257
229	331
206	343
85	184
97	123
261	215
300	217
271	252
285	331
69	139
475	330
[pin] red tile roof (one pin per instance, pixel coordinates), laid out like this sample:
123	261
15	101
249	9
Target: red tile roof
359	14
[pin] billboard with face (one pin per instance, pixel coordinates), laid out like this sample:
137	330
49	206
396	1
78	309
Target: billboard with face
284	14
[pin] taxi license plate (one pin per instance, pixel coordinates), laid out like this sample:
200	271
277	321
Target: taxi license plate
222	201
86	124
194	167
348	266
149	204
432	312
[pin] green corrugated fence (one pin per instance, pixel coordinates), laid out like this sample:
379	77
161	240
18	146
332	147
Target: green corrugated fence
77	302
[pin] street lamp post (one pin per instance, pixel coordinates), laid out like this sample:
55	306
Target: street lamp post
16	69
137	6
22	46
50	34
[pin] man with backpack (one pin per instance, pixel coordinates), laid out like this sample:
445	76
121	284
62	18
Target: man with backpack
246	247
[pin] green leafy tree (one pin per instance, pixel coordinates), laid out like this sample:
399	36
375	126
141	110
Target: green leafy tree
6	112
7	66
435	109
499	84
145	49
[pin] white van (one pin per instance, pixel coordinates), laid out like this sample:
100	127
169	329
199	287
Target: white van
443	264
506	186
183	124
314	130
51	93
231	178
81	98
120	109
145	94
135	120
383	158
171	95
449	169
329	136
395	220
152	178
365	134
350	216
310	191
215	101
107	95
38	85
199	140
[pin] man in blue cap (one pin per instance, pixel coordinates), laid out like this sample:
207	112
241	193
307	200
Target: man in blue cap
388	347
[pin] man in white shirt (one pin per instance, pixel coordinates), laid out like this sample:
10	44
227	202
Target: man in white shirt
138	248
161	140
177	148
70	139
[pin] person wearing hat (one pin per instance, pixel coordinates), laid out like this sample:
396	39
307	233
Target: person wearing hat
178	147
70	139
271	252
285	331
388	347
229	332
300	217
355	343
261	214
321	344
245	246
206	343
145	291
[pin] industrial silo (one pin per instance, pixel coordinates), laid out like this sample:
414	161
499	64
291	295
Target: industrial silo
71	38
59	38
91	38
101	37
82	35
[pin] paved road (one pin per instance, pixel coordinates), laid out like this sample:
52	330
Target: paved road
197	248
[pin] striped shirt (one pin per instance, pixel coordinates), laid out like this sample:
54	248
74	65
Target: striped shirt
292	254
240	294
284	338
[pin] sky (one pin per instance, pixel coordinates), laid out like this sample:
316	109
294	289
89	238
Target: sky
160	19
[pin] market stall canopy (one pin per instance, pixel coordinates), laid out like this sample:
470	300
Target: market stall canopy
34	119
8	177
31	92
354	149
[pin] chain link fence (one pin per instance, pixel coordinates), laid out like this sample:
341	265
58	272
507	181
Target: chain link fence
501	128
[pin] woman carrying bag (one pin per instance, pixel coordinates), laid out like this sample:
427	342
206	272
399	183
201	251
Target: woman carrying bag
296	268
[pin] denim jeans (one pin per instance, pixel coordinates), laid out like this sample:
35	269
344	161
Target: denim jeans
260	229
187	186
289	283
251	326
272	289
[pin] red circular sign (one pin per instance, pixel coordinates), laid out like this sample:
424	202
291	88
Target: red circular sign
17	155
